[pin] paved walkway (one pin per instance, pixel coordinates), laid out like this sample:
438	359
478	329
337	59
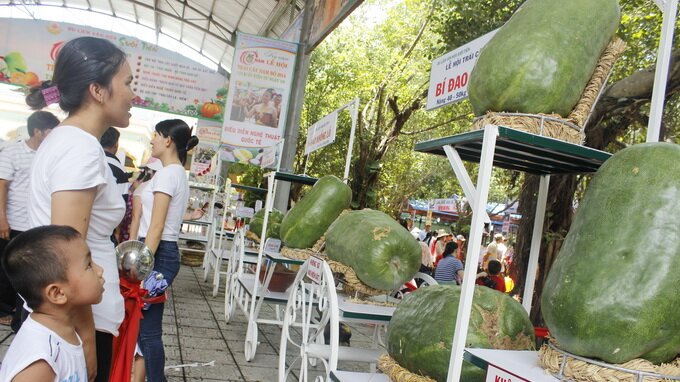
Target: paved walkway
195	332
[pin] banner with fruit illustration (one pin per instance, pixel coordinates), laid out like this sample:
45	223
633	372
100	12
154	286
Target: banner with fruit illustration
257	101
164	80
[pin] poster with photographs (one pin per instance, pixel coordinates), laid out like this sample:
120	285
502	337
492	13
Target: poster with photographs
259	92
204	159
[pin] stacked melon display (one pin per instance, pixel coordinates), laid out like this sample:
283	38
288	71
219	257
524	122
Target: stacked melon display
308	220
383	254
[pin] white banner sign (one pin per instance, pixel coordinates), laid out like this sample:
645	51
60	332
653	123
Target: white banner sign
259	91
444	205
450	73
204	159
163	80
321	133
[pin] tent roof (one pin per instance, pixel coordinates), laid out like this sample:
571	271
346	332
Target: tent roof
207	26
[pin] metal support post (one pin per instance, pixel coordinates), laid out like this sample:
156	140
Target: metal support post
348	160
474	246
464	178
536	237
670	10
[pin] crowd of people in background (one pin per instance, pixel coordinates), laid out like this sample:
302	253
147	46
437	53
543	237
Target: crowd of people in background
443	258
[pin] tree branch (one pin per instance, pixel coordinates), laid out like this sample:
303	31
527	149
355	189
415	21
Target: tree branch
454	119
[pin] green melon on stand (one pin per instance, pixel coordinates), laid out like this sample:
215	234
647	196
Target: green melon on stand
307	221
613	293
542	58
383	254
420	333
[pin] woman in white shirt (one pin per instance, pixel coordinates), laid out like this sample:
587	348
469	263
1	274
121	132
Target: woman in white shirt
164	201
71	183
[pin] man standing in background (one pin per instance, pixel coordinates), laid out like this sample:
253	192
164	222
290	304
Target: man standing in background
15	168
109	142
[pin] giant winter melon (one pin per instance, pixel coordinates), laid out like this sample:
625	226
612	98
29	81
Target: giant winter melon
307	221
541	59
613	292
383	254
420	333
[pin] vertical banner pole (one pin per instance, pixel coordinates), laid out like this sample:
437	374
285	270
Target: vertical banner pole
355	116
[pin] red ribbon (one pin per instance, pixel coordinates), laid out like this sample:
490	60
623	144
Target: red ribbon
124	345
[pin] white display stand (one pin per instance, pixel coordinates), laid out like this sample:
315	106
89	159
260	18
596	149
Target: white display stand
511	149
243	290
218	250
313	303
199	230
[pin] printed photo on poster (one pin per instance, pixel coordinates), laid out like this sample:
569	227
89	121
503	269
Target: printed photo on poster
252	104
258	97
202	159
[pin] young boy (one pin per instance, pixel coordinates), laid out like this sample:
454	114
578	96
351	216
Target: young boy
493	279
52	269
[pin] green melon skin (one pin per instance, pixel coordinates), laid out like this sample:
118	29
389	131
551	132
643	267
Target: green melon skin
541	59
383	254
273	224
420	333
308	220
613	292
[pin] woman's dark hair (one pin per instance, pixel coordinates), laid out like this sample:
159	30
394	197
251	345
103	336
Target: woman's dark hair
81	62
145	175
449	248
180	133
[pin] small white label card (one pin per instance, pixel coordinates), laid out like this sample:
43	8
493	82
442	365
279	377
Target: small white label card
272	245
314	269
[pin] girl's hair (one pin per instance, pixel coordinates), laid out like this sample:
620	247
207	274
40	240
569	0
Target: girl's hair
81	62
449	248
180	133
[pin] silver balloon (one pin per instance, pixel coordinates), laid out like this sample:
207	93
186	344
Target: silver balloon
135	260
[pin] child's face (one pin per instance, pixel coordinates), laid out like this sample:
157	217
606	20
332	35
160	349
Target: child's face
85	281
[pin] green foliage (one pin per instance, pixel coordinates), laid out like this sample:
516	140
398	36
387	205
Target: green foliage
388	59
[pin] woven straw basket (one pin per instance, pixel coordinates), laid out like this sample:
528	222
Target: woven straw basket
579	369
351	283
572	128
396	373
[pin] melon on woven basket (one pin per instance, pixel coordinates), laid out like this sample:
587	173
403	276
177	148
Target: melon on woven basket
382	253
534	77
419	336
612	293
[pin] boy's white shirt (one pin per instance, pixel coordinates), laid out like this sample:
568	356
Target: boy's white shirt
35	342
